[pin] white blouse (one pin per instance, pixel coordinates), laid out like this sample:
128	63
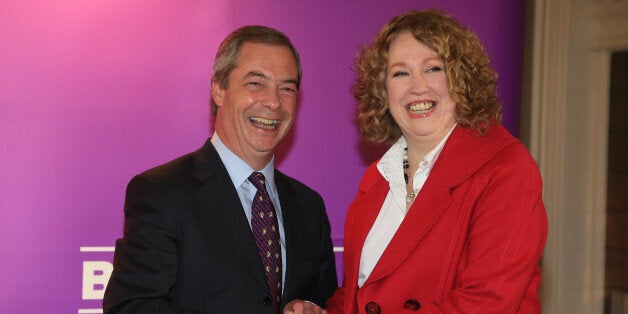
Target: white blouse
394	208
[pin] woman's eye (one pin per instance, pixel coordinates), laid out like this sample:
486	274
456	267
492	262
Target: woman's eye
434	69
400	73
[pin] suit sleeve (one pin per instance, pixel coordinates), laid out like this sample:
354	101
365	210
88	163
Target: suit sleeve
506	237
328	281
145	259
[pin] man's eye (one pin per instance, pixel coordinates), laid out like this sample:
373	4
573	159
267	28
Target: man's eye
289	90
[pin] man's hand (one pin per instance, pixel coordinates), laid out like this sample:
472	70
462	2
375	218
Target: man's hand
303	307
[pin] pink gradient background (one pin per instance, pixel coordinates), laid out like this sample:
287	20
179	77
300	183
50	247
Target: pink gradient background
93	92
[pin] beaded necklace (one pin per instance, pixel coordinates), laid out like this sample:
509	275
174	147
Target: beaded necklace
410	196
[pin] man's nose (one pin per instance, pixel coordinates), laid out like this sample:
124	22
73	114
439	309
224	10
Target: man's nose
272	100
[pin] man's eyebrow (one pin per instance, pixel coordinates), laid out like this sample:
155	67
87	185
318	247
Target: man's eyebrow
265	77
257	74
290	81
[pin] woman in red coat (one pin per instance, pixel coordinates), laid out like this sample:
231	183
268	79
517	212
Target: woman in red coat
450	219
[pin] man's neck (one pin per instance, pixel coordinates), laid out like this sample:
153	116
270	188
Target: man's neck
255	160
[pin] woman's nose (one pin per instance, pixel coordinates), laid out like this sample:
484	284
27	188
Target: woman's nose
419	84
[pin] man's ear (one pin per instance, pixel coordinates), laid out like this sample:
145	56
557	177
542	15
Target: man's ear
217	93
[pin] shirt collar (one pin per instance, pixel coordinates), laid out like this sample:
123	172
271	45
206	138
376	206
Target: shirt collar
239	171
390	165
431	157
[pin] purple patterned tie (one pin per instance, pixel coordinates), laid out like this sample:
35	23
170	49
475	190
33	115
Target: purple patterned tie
266	232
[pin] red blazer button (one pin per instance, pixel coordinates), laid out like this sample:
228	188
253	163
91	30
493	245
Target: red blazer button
373	308
412	305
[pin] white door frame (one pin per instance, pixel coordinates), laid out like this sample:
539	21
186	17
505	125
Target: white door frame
565	125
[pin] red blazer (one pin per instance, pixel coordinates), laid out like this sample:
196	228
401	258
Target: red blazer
470	243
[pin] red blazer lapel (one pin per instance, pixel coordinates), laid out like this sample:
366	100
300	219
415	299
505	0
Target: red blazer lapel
361	215
435	196
428	207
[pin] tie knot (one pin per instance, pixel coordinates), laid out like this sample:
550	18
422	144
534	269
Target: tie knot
258	180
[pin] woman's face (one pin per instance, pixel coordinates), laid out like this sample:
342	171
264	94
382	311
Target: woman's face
418	95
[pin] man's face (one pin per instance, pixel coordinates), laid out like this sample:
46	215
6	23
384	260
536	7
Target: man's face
257	108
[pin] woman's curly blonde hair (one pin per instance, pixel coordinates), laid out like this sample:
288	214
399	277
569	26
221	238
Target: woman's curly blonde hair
472	82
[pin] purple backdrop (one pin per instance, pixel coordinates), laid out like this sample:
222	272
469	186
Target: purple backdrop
96	91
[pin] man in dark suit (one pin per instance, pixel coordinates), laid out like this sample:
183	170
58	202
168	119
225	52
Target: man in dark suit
191	229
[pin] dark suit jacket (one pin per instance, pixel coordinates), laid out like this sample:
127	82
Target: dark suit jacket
188	247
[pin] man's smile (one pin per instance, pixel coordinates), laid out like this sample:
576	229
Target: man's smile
268	124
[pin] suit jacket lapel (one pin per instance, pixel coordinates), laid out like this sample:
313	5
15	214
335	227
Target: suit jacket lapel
224	212
293	221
